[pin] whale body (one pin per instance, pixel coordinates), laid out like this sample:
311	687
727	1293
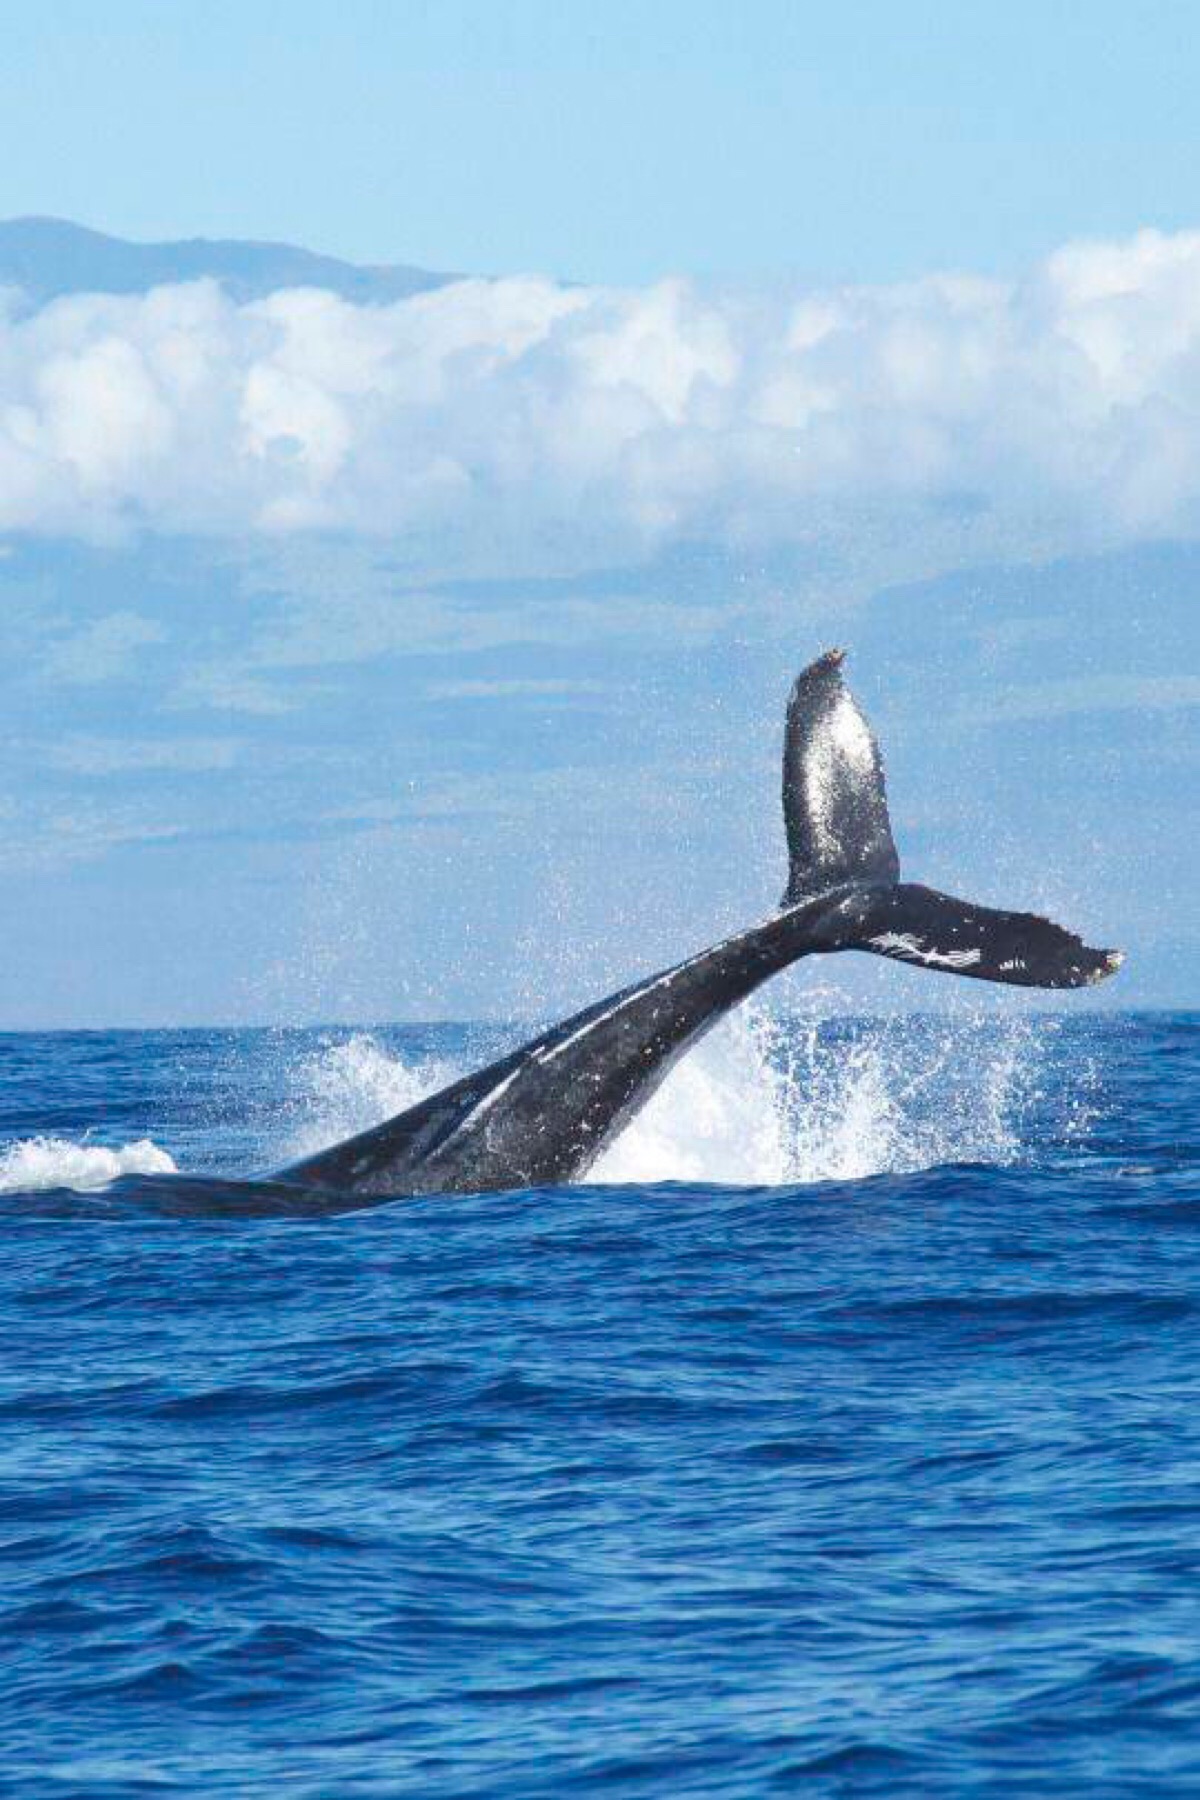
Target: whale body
542	1114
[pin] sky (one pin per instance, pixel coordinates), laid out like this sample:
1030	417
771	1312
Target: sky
429	659
609	144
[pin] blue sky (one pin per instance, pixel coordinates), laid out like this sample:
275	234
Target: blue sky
428	660
609	143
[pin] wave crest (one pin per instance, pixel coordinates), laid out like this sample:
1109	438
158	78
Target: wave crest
38	1164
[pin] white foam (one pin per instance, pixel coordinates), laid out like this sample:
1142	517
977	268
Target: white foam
36	1164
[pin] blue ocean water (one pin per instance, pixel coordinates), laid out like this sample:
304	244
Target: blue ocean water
863	1459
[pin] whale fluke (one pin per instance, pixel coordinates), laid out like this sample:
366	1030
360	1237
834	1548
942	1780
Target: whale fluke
834	800
840	837
919	925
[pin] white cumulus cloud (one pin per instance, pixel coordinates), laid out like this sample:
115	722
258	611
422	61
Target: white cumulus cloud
1062	409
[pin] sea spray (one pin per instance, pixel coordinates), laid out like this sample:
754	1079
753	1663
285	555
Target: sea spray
720	1115
819	1096
346	1086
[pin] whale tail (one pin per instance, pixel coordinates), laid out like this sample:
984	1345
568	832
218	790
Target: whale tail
840	844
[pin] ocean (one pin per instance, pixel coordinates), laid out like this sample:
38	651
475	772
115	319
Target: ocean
841	1436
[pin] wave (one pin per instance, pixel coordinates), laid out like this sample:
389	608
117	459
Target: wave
38	1164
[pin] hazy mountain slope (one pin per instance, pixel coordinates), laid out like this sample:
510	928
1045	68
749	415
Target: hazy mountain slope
46	258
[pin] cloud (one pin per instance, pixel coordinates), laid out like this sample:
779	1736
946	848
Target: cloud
103	756
1057	412
1091	694
321	603
515	689
102	651
218	689
38	839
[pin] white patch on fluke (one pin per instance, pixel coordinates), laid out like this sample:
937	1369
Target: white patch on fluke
842	754
904	943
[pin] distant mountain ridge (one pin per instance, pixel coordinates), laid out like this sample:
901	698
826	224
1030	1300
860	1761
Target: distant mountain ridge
47	258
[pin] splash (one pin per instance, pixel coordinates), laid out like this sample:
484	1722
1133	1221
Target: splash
37	1164
721	1115
820	1097
345	1087
896	1094
764	1100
